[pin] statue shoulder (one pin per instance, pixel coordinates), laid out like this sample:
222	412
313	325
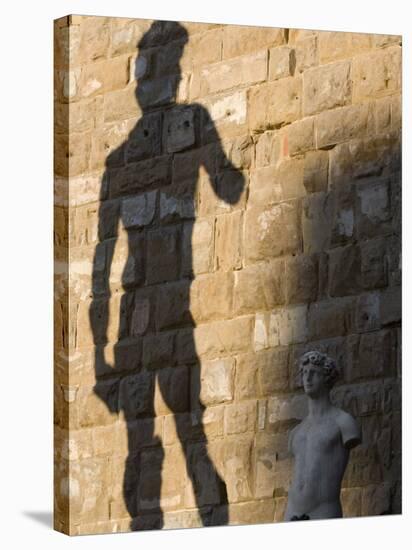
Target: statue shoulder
349	427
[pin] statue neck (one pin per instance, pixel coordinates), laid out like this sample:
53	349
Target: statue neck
318	406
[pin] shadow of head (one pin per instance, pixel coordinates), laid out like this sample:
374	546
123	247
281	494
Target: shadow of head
157	68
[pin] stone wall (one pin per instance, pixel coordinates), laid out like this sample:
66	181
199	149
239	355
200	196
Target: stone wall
203	244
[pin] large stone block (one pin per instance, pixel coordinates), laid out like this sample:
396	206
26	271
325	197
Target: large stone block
272	184
305	53
177	202
271	451
374	273
145	139
206	483
328	318
245	513
316	222
326	87
228	241
315	171
344	270
275	104
273	374
94	38
72	155
179	129
237	153
301	136
121	105
224	337
95	405
134	178
136	212
375	208
246	378
343	124
227	114
268	148
280	62
301	279
238	468
173	305
377	73
158	350
271	232
239	40
172	393
125	34
103	76
211	297
364	158
240	417
198	246
288	326
136	395
339	45
259	287
216	381
163	255
241	71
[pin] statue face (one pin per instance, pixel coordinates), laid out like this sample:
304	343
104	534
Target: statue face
313	380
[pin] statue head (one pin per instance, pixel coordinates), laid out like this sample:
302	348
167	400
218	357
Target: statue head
319	372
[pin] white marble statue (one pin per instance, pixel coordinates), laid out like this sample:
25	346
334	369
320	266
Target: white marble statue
320	444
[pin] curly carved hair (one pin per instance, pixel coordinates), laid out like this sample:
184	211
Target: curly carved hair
328	365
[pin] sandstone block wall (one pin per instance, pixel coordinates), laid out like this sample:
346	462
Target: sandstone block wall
202	243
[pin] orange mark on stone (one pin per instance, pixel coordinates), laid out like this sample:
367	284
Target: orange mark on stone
285	149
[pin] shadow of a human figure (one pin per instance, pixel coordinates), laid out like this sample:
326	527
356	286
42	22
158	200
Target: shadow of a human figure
152	190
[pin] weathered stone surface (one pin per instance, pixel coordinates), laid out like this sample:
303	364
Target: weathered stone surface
121	105
134	178
275	104
343	124
375	212
228	241
240	40
364	158
172	393
259	287
315	171
271	450
227	114
138	211
136	395
158	350
223	337
163	255
237	153
338	45
301	278
178	129
316	222
288	326
216	381
240	71
301	136
328	318
211	297
280	62
344	270
105	76
377	73
306	53
326	87
272	184
240	417
271	232
238	468
173	305
268	148
177	202
198	246
145	139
